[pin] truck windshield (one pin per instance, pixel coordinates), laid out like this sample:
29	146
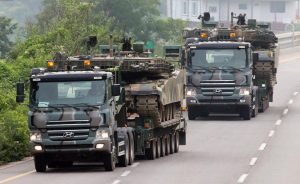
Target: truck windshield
221	58
46	94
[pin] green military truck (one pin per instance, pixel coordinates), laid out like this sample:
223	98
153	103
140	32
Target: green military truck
105	108
229	70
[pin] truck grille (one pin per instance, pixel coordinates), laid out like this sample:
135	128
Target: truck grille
68	130
217	87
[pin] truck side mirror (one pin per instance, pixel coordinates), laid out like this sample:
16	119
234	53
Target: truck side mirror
255	57
20	92
116	90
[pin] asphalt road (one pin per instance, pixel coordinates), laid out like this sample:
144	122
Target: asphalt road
220	150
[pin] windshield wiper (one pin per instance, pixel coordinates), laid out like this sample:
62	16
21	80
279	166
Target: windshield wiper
199	67
218	68
86	104
234	68
67	105
48	106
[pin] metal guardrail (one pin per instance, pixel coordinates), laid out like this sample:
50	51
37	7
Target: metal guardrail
287	40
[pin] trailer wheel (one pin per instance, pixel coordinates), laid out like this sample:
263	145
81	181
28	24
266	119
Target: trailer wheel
172	143
158	148
176	142
163	146
167	147
124	159
151	152
131	148
40	163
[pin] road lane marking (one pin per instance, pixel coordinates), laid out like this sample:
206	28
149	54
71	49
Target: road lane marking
285	111
272	132
242	178
262	146
278	122
291	101
16	177
253	161
135	164
116	182
126	173
296	93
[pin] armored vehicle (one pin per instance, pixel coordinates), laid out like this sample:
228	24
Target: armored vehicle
230	70
105	108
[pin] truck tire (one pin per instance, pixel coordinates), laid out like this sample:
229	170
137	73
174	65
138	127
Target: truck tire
40	163
176	150
191	114
131	148
124	159
109	162
167	147
255	110
246	113
172	143
163	147
158	148
151	152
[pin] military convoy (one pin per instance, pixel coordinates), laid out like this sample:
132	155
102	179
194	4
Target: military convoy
230	70
107	108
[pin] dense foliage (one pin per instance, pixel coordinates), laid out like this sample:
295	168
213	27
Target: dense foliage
63	25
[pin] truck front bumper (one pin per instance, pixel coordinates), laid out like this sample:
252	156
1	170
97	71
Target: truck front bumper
72	150
219	105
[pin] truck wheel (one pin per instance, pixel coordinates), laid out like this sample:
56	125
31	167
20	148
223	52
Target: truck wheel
191	114
255	110
172	143
167	147
176	150
151	152
246	114
124	159
109	162
131	148
158	148
163	147
40	163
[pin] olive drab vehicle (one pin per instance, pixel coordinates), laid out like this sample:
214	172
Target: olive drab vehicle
109	107
230	70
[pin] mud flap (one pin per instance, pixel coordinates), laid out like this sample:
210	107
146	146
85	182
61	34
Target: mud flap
182	138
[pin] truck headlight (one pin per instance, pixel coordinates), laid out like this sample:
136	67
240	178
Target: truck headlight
244	91
191	92
102	134
35	136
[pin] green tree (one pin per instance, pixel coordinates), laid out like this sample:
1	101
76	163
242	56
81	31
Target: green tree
6	29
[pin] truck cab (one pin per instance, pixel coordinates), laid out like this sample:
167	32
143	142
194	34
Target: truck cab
72	118
219	78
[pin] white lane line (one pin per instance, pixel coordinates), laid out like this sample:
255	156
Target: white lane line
285	111
272	132
135	164
116	182
126	173
16	177
291	101
253	161
278	122
262	146
242	178
296	93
